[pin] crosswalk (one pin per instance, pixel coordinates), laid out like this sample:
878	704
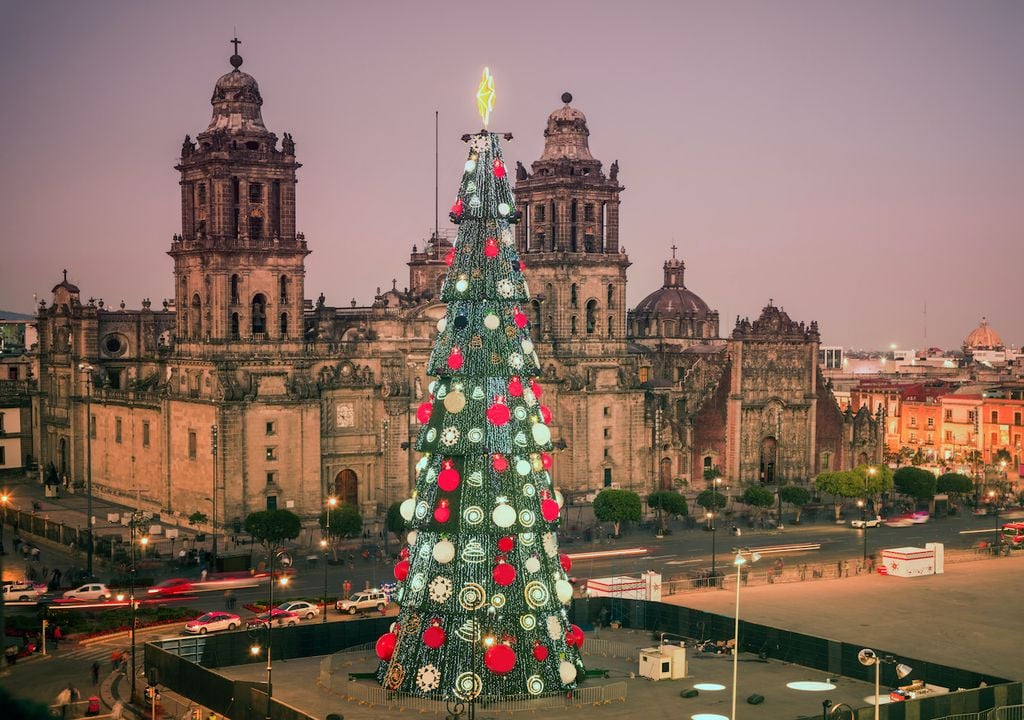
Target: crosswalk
100	651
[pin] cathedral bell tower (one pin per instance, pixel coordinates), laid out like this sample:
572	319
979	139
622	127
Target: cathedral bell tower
239	265
569	238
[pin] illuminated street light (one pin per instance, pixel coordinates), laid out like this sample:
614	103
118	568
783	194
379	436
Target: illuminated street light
869	657
739	562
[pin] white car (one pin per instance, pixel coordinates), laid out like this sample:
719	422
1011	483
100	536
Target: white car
365	600
91	591
591	496
870	522
23	592
212	622
305	609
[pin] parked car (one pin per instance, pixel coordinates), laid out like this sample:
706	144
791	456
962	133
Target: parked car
276	617
365	600
23	592
174	586
869	522
302	608
90	591
212	622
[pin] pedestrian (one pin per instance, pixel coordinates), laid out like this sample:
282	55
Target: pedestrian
202	576
95	673
846	568
63	700
57	635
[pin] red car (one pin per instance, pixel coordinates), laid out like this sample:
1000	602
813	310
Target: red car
167	588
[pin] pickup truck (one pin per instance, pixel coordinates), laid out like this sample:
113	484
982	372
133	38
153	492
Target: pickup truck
23	592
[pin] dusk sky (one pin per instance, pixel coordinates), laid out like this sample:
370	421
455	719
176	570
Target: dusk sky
855	161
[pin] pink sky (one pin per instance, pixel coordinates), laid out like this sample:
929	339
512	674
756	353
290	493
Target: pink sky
852	161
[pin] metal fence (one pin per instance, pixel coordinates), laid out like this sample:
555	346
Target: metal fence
1010	712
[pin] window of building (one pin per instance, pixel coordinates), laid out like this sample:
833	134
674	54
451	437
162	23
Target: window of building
970	416
235	190
255	227
271	453
538	213
145	434
117	429
1	422
931	422
995	416
255	192
202	193
235	334
271	427
3	455
271	478
607	433
611	326
588	212
572	325
259	313
643	374
993	439
607	452
949	436
611	296
235	284
284	288
271	502
948	415
1016	418
284	324
574	296
591	317
913	421
826	461
92	426
607	411
191	444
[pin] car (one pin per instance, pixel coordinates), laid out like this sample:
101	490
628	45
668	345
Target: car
365	600
921	516
276	617
899	521
869	522
212	622
174	586
305	609
89	591
23	592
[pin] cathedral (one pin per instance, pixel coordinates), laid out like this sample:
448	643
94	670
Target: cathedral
242	395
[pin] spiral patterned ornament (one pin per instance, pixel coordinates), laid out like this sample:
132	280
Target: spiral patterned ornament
498	600
534	685
473	552
472	596
469	631
473	515
528	621
395	675
536	594
468	686
526	518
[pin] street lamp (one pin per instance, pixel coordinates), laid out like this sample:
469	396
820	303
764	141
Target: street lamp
739	562
87	370
331	503
993	497
869	657
3	519
136	520
864	528
270	628
711	521
213	519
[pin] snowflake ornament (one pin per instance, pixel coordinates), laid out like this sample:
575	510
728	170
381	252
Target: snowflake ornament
428	678
440	589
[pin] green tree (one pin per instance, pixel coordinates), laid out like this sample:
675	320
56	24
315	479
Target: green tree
841	485
876	478
1002	455
396	523
915	482
271	528
617	507
711	473
758	497
197	518
711	500
954	483
796	496
668	503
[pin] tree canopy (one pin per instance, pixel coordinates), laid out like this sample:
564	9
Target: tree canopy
954	484
617	506
711	500
759	497
197	518
876	478
796	496
672	503
840	483
271	528
345	521
915	482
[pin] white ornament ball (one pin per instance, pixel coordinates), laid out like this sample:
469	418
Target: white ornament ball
564	591
444	551
503	209
559	499
566	671
492	321
470	165
532	565
541	433
527	346
462	285
407	508
504	516
411	538
442	324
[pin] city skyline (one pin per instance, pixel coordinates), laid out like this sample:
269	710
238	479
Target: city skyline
853	163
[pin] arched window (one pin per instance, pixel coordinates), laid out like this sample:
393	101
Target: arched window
284	324
611	326
591	317
196	317
572	325
535	330
235	283
611	295
574	296
259	314
234	326
284	288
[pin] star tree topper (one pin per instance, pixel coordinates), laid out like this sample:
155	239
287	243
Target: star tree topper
485	96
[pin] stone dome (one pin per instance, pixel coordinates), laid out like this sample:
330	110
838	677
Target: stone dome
565	136
673	297
236	104
983	337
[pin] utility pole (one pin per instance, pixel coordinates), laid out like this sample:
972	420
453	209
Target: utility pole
213	520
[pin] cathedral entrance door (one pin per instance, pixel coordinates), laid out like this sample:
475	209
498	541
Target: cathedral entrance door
665	474
769	452
346	487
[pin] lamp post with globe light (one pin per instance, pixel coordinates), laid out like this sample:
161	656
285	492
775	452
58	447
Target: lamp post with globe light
332	502
739	561
87	370
868	657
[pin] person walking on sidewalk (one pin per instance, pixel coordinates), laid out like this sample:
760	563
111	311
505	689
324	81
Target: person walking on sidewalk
95	673
57	635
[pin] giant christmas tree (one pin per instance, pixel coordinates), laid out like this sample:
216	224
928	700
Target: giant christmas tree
482	589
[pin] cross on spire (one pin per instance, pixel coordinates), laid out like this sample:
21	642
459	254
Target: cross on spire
236	42
65	276
674	248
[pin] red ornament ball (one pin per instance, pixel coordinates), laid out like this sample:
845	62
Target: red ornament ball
448	479
455	359
504	574
433	637
549	509
578	636
570	638
491	247
522	266
405	553
499	463
545	459
401	570
506	543
423	412
519	318
386	645
545	414
537	389
500	659
498	414
540	653
442	514
566	562
457	208
499	168
515	387
450	257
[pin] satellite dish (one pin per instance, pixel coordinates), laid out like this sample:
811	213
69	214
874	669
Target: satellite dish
867	657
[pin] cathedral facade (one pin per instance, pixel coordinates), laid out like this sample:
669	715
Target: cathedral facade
243	395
